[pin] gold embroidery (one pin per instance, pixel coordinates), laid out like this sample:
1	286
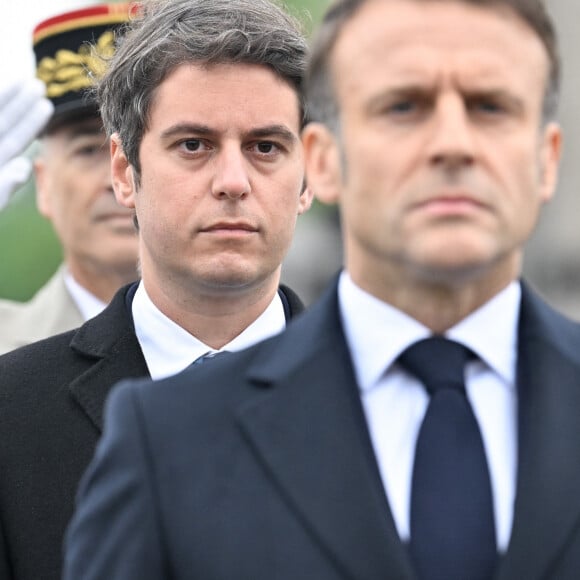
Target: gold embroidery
71	71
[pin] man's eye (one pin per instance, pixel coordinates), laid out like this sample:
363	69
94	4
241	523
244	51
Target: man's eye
487	107
402	107
90	150
265	147
192	145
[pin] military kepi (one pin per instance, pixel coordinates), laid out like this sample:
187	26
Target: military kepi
69	50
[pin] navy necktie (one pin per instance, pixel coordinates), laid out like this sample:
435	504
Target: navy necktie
452	523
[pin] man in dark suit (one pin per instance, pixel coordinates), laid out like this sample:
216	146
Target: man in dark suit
421	420
203	103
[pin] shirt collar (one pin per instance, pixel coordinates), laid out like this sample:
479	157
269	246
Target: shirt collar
490	331
168	348
87	303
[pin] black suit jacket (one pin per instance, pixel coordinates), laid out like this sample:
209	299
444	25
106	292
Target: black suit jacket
52	395
270	475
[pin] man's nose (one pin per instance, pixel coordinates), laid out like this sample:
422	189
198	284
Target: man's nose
231	177
452	144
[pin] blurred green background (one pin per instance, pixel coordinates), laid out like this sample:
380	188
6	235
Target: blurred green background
29	251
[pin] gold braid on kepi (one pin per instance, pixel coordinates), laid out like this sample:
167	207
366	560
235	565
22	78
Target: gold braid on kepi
70	51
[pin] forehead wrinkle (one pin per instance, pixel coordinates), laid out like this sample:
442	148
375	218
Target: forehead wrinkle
417	33
467	75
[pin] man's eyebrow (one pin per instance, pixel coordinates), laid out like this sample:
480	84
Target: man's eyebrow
502	95
198	129
79	132
418	91
403	91
187	128
279	131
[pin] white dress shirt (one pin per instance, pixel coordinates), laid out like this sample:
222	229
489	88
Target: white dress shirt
88	304
395	402
168	348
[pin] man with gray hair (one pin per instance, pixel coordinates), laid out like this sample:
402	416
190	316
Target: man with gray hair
203	105
420	422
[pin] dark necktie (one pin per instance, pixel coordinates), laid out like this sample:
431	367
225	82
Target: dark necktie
452	523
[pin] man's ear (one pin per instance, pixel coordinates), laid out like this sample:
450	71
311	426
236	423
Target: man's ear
323	162
306	198
550	156
122	174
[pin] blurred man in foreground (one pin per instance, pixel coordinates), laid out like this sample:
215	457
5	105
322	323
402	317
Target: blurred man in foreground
421	420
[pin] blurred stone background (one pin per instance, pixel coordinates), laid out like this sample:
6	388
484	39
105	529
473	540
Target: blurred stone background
29	253
553	257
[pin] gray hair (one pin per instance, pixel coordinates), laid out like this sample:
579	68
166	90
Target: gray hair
168	33
321	100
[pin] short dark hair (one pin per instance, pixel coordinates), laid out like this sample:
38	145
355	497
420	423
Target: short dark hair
169	33
320	97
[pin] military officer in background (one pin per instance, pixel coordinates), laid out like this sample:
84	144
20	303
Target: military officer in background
73	182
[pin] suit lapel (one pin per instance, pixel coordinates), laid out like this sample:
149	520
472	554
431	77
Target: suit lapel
109	344
112	352
546	508
291	302
309	431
